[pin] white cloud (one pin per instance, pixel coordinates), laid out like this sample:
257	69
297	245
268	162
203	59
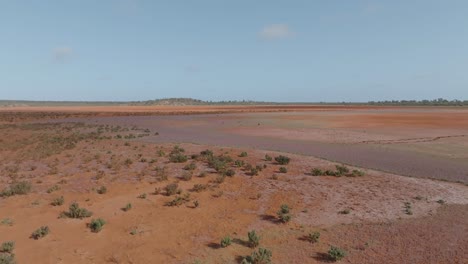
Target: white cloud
62	53
276	31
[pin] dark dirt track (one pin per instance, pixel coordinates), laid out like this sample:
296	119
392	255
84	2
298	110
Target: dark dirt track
188	129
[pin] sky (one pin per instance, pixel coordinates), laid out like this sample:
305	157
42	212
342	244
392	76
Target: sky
266	50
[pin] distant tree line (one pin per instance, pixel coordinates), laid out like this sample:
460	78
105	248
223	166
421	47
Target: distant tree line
435	102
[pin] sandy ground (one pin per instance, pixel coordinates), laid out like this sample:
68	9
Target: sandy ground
419	142
81	158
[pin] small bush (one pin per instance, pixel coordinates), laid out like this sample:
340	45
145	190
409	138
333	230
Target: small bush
102	190
317	172
313	237
357	173
142	196
254	239
230	173
253	171
187	176
226	241
441	201
282	160
40	232
171	189
58	201
127	207
243	154
220	178
192	166
268	157
239	163
7	247
161	153
177	158
331	173
7	258
179	200
283	170
53	189
17	188
342	170
345	211
199	187
74	211
96	225
262	256
283	213
206	153
336	253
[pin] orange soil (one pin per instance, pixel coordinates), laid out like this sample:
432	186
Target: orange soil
184	234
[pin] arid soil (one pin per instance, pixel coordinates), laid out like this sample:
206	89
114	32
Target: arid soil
418	142
375	217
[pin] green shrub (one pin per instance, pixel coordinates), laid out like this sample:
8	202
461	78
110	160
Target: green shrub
127	207
177	158
161	153
220	178
342	170
254	239
171	189
17	188
102	190
253	171
331	173
268	157
58	201
179	200
317	172
40	232
283	213
345	211
336	253
74	211
7	247
239	163
262	256
6	221
96	225
206	153
283	170
313	237
7	258
226	241
243	154
282	160
142	196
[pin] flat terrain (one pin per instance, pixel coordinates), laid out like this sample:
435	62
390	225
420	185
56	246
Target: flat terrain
375	216
419	142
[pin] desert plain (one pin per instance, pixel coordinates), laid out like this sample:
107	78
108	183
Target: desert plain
153	184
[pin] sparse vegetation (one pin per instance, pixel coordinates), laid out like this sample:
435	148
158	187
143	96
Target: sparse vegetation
58	201
262	256
96	225
191	166
6	258
254	239
179	200
40	232
268	157
7	247
75	211
187	176
199	187
243	154
226	241
142	196
313	237
408	208
345	211
336	253
282	160
284	213
283	170
317	172
171	189
17	188
53	189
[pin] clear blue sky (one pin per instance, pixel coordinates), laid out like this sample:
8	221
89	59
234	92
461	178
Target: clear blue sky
301	50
